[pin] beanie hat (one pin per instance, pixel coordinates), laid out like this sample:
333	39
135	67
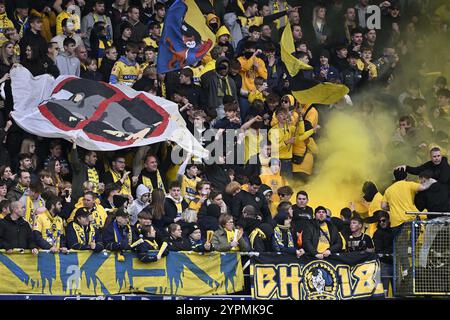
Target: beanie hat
122	212
290	97
320	208
192	228
124	26
325	53
281	217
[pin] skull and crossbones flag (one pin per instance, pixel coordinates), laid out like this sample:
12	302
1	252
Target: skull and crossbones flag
97	115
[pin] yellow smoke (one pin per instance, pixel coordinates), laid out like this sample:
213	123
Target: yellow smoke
348	156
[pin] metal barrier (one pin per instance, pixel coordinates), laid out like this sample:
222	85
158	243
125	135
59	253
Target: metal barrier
422	257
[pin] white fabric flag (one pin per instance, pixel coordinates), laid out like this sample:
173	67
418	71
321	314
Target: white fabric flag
98	116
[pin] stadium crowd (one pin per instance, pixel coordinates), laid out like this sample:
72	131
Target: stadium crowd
56	197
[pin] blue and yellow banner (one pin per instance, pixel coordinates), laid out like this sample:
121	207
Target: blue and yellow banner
87	273
338	277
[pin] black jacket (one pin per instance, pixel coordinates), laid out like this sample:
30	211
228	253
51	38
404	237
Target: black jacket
383	240
180	244
311	237
142	251
105	68
16	234
110	242
441	172
170	210
244	198
34	40
72	240
434	199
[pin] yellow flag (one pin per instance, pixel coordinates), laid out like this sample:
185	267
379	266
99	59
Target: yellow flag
194	17
293	65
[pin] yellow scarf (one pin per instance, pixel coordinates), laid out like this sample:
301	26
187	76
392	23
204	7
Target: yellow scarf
126	186
148	182
256	232
230	238
81	235
118	236
30	209
54	234
93	177
153	244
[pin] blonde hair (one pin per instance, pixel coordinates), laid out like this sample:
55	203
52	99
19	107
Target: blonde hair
25	148
189	215
88	185
232	187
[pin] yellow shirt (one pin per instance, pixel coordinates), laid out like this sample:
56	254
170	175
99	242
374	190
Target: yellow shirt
274	181
323	244
125	74
51	228
375	205
188	186
249	72
400	197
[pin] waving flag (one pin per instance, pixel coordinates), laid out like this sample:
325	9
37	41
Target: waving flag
97	115
307	91
185	38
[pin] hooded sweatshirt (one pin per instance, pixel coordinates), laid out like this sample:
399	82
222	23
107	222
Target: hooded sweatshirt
230	20
138	205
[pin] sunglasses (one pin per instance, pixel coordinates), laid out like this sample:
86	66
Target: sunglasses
285	101
382	220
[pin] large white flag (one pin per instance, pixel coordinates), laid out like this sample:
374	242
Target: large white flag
97	115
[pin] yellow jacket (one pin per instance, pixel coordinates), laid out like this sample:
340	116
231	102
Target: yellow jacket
249	72
5	23
278	135
256	95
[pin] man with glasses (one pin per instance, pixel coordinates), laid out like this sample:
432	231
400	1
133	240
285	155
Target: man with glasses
118	174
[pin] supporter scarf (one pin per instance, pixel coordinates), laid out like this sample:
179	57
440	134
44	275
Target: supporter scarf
230	238
126	185
254	234
22	23
278	234
81	234
148	182
152	243
30	209
118	234
98	220
223	87
93	177
53	234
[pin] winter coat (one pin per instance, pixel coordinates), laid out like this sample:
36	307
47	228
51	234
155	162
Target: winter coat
220	242
16	234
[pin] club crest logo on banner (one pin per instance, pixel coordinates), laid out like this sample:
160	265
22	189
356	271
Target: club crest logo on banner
320	281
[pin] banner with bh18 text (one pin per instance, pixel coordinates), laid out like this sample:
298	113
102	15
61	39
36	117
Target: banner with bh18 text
338	277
